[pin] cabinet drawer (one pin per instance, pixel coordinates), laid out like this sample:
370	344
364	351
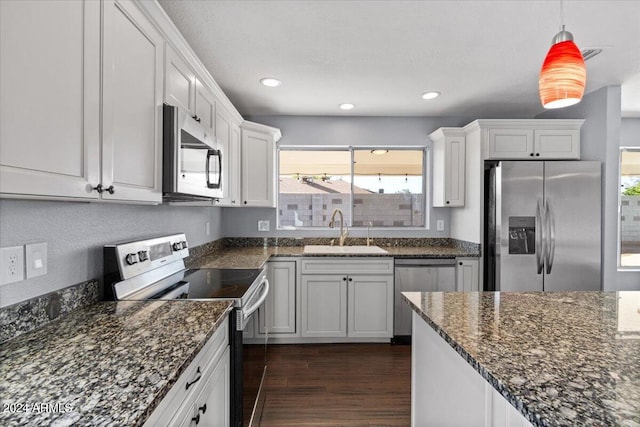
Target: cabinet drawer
348	266
179	393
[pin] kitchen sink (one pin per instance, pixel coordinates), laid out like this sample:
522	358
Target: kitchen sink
343	250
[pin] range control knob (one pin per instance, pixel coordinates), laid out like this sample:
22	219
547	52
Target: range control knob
143	256
131	259
184	244
177	246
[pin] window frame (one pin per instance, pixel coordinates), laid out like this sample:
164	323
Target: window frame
619	217
426	179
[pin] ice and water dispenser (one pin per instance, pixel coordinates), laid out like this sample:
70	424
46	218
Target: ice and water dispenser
522	235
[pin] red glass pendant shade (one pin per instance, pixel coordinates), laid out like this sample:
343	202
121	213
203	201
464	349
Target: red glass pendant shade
563	76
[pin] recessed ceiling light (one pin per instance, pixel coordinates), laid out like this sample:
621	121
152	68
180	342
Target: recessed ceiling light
430	95
347	106
270	82
379	152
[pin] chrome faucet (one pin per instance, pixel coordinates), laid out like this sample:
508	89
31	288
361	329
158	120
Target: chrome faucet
344	230
369	239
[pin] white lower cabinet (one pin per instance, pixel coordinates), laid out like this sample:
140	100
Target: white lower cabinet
370	306
201	396
442	382
345	304
324	306
467	279
278	314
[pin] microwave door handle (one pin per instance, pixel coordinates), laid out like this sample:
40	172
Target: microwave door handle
249	311
210	154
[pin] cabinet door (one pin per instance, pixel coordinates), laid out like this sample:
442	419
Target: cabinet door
511	144
278	315
179	82
324	305
258	159
467	275
206	106
50	98
557	144
370	309
213	405
132	104
224	134
455	171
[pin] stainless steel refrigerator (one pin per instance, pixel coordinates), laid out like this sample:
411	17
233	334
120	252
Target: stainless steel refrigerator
542	226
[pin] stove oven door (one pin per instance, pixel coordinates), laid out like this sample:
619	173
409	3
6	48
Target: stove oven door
249	366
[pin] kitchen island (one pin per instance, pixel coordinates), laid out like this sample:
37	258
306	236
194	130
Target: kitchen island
520	359
108	364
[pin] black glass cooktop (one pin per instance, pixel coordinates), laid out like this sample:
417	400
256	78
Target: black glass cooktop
212	283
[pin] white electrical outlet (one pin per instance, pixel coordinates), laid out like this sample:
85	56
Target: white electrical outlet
440	225
263	225
11	264
36	259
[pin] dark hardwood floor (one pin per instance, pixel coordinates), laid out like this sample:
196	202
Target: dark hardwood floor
338	385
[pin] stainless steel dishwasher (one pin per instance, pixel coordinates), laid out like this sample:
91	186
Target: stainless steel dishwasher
418	275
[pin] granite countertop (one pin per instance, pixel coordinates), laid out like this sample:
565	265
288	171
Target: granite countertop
256	257
561	358
108	364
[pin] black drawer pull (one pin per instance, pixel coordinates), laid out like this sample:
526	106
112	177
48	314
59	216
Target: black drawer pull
203	408
196	419
189	384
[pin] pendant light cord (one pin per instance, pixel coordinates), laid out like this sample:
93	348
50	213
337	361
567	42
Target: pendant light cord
561	15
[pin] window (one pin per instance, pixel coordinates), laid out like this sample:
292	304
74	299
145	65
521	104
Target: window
381	187
630	208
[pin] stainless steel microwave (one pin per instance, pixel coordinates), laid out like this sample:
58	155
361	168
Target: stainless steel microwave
192	158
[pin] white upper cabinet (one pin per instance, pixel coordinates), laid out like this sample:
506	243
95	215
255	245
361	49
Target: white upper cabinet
228	135
258	164
132	104
182	88
530	139
52	144
180	82
449	167
50	102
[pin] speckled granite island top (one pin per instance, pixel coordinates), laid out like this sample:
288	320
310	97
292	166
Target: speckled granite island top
109	364
562	359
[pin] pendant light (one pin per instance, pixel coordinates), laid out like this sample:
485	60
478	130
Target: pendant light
563	74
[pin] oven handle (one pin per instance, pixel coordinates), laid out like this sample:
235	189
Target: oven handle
249	311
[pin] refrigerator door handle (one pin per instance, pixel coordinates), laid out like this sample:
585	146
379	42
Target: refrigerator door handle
551	226
540	236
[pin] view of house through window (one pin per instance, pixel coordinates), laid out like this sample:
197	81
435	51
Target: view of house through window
381	188
630	208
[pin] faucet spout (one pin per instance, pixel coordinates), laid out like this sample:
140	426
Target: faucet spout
344	230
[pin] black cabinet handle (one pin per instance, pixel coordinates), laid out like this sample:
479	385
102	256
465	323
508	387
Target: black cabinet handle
196	419
196	118
531	154
344	279
537	154
447	202
203	408
100	189
245	202
189	384
350	279
460	262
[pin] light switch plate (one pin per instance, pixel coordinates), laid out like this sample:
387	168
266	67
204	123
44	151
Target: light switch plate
263	225
36	259
11	264
440	225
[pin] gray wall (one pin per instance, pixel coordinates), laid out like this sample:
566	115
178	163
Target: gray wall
630	132
76	232
350	130
601	139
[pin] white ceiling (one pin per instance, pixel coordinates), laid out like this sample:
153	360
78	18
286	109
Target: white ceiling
484	56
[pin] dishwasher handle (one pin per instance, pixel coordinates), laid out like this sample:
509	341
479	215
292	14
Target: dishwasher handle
425	262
